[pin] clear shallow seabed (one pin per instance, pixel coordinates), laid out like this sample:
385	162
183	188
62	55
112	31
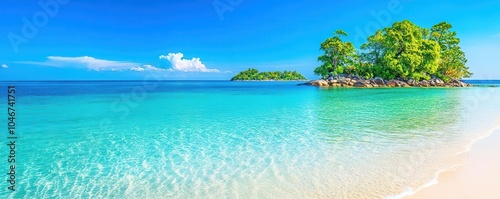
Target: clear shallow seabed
220	139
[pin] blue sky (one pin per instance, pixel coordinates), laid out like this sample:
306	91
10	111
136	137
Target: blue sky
214	39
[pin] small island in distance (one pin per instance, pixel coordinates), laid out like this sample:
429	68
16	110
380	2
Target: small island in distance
254	75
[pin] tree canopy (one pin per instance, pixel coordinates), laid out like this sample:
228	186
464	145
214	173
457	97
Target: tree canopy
254	74
403	50
338	54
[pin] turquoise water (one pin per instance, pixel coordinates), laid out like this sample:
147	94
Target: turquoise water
219	139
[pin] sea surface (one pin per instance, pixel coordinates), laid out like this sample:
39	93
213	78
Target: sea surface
221	139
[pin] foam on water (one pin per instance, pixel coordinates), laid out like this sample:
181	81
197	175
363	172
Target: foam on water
242	140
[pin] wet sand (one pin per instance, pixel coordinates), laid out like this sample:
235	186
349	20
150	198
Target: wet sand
478	178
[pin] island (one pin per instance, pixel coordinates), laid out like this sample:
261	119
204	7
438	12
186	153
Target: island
254	75
402	55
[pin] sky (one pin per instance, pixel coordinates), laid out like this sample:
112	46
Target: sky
215	39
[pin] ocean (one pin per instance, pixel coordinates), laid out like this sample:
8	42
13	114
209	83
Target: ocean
222	139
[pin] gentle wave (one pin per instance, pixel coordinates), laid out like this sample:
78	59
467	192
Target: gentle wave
435	181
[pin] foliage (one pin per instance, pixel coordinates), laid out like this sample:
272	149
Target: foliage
403	50
337	55
254	74
452	63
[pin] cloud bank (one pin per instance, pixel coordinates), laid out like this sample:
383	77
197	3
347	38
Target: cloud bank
92	63
5	66
179	64
186	65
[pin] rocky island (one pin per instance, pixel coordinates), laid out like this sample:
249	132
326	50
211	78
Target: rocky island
402	55
356	81
254	75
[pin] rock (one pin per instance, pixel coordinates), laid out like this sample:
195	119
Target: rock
392	83
362	84
355	77
458	83
436	81
424	83
439	82
412	82
321	82
432	83
379	81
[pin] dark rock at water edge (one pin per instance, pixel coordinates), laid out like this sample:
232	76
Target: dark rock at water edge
356	81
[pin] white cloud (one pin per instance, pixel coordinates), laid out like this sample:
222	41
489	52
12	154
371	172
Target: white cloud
92	63
176	59
148	68
186	65
4	66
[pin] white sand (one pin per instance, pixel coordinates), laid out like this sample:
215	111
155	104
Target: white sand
478	179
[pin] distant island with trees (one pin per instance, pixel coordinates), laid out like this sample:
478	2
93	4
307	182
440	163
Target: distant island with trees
254	75
402	55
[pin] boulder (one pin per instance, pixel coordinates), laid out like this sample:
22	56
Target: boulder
321	82
333	81
355	77
379	81
412	82
436	81
392	83
458	83
424	83
439	82
362	84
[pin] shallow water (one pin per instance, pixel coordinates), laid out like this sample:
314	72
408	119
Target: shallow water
219	139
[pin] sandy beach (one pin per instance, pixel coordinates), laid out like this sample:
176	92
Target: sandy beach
478	178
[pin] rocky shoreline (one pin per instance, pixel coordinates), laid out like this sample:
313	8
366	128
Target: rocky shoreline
356	81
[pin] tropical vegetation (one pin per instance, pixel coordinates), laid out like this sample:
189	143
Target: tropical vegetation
254	74
403	50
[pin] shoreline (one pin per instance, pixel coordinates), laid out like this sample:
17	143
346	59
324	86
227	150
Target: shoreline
269	80
465	180
359	82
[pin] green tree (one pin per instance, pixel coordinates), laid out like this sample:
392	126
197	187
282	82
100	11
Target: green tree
401	51
337	55
453	61
253	74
